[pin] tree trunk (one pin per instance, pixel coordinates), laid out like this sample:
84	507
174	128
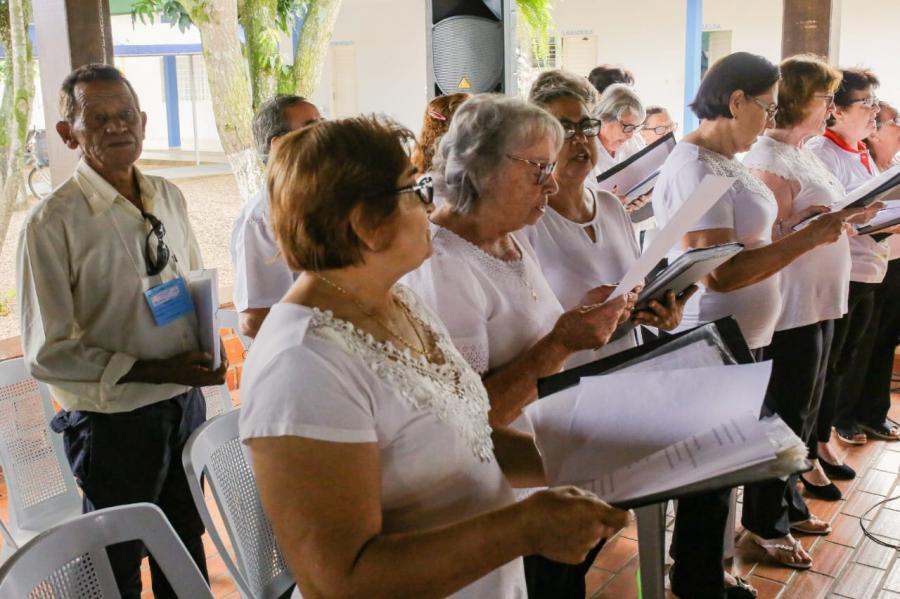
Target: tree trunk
312	47
227	75
6	101
258	18
22	93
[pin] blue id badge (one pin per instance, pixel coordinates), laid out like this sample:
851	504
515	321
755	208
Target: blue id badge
169	301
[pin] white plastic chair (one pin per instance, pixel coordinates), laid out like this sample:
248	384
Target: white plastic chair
42	491
218	400
69	561
214	452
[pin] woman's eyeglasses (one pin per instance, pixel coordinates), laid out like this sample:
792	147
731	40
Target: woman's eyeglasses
587	128
771	109
157	263
424	190
662	129
868	101
829	98
545	169
894	121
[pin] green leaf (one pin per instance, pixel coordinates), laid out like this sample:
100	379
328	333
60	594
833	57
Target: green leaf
538	18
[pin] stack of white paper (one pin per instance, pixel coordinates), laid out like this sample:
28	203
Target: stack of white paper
204	288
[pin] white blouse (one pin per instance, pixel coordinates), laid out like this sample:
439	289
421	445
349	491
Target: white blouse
573	263
869	257
815	286
605	161
493	309
750	209
311	375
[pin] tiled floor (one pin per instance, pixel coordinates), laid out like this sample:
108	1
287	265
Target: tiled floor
846	565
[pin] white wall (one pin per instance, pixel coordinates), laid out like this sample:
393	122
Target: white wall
870	37
647	38
755	26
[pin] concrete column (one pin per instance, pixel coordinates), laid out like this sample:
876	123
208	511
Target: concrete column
807	27
70	33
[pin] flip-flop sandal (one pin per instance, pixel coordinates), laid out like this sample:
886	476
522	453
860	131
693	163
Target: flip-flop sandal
770	547
851	436
886	431
803	526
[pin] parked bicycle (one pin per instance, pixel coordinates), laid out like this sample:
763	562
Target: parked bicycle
37	163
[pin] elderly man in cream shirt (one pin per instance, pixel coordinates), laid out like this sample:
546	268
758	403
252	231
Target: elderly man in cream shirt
106	321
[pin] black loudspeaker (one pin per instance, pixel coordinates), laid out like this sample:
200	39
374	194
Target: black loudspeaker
470	46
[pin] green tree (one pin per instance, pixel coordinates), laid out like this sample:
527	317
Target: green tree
18	97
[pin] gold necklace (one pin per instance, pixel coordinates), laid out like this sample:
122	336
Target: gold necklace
359	306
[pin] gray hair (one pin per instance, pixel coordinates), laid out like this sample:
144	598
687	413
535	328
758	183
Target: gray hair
268	122
555	84
616	101
483	131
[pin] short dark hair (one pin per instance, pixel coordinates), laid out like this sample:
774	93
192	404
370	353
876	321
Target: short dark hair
269	122
749	73
853	80
605	75
319	175
90	72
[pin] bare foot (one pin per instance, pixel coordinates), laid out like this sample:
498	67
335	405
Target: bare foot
786	551
829	455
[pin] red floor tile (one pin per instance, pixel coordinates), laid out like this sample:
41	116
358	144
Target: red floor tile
616	554
829	558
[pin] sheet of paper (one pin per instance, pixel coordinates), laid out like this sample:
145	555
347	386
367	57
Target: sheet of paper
636	168
623	417
707	193
891	211
867	187
204	288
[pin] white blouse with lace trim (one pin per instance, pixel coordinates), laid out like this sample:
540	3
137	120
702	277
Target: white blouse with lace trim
815	286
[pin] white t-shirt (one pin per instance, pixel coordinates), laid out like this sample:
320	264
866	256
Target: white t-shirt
261	277
493	309
815	286
311	375
869	257
750	209
573	263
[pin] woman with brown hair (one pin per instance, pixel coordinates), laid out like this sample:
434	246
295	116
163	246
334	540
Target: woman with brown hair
435	123
367	429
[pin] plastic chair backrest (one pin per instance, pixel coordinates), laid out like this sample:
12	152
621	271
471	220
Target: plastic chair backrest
218	400
214	451
38	479
70	560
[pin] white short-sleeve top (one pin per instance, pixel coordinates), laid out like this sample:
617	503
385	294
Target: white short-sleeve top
750	209
815	286
493	309
314	376
573	263
261	276
869	257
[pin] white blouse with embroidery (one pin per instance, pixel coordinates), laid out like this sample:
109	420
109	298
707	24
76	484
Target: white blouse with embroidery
748	208
815	286
311	375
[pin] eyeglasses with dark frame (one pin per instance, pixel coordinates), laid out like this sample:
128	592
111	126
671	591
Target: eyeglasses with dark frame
586	127
771	109
868	102
630	128
424	190
662	129
545	169
158	263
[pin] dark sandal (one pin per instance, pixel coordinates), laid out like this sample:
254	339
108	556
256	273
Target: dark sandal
886	431
742	590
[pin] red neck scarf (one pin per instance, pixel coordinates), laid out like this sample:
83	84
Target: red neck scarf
860	148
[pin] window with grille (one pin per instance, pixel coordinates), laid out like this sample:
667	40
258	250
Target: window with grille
183	73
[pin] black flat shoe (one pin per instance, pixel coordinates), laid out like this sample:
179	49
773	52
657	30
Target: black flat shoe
837	472
828	492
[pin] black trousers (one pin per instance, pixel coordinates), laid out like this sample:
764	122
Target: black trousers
839	402
883	334
698	545
547	579
799	365
133	457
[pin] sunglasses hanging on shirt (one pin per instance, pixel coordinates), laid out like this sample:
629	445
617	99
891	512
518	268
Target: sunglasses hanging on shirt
160	259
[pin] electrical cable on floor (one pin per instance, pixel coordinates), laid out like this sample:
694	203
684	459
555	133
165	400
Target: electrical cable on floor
871	535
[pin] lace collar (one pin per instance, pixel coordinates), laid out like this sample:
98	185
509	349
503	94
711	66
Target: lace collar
731	167
792	162
452	391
